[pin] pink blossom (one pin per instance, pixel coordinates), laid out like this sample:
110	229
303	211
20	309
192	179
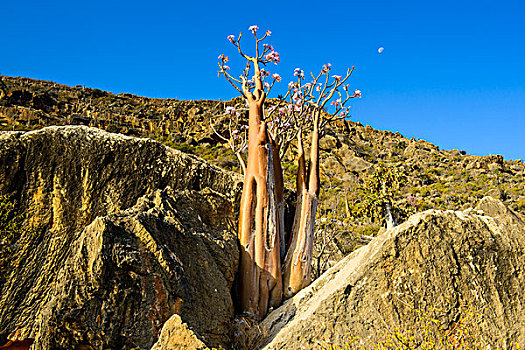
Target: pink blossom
336	103
276	76
291	85
268	33
345	87
337	77
226	67
267	46
273	57
266	85
253	29
357	93
231	38
298	73
232	111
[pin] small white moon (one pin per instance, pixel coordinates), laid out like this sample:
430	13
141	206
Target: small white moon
381	49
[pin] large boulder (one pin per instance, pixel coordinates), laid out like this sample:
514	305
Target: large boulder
446	276
126	233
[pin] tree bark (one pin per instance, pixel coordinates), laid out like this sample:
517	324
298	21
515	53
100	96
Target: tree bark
298	261
259	219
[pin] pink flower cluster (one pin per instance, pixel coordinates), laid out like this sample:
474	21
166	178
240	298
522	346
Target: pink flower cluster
232	111
264	73
298	72
336	103
357	93
278	125
276	77
326	68
345	112
231	38
253	29
272	56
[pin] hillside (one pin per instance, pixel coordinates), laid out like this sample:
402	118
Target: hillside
435	178
133	246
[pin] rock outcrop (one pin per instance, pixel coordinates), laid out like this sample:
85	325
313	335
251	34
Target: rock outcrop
126	233
176	335
449	274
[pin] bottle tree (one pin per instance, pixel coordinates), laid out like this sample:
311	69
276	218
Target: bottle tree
271	267
308	101
260	233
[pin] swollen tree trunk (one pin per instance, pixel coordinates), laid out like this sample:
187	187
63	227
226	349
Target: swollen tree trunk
390	223
279	196
298	261
260	275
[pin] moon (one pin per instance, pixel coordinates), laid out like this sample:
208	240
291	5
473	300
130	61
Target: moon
381	49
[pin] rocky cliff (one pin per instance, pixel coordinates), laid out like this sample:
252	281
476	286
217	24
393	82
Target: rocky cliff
442	277
126	233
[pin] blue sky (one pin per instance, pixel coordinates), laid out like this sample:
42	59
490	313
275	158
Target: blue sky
452	72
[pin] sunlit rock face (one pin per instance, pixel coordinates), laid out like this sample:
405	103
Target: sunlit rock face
445	274
127	233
